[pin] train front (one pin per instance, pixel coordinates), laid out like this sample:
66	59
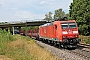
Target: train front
70	34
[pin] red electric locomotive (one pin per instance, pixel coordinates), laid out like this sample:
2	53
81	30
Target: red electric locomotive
64	33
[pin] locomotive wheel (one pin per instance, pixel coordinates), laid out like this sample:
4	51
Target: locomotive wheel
65	46
52	43
48	42
55	43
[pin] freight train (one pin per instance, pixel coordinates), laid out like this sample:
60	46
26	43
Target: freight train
63	33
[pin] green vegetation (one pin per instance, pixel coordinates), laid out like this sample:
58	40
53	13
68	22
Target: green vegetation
85	39
58	14
48	16
29	27
21	48
5	37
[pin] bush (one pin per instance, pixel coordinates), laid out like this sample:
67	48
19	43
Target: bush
88	40
83	29
5	37
85	39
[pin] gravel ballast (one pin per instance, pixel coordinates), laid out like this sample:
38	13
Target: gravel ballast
60	53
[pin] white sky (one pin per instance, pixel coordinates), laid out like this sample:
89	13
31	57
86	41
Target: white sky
17	10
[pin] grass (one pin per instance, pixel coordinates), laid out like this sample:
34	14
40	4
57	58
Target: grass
29	48
19	47
85	39
5	37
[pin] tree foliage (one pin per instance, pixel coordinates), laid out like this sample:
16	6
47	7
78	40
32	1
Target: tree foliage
80	11
59	14
29	27
48	16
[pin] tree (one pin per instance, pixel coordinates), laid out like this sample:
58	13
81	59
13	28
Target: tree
59	14
80	11
48	16
29	28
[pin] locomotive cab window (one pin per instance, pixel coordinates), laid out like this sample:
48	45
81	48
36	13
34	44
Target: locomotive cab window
68	25
64	25
72	25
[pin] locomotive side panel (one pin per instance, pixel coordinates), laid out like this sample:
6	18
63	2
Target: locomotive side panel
58	31
50	31
41	32
47	31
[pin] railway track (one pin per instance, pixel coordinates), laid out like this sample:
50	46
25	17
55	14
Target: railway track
83	52
84	45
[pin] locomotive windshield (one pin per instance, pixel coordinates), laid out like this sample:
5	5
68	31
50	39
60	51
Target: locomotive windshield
72	25
64	25
68	25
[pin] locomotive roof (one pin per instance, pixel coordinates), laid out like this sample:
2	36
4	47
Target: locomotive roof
68	21
47	24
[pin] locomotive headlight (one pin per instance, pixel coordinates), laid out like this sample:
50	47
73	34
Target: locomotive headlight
76	36
75	32
64	32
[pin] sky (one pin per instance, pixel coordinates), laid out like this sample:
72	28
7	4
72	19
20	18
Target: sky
20	10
